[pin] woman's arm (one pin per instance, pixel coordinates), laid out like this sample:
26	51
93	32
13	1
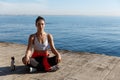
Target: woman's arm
53	49
29	49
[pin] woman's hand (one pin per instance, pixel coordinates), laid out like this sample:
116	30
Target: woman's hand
27	60
58	59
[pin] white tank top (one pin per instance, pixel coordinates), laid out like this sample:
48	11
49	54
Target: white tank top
40	46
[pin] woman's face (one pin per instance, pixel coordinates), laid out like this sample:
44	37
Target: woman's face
40	25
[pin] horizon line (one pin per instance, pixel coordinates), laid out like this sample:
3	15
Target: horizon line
56	15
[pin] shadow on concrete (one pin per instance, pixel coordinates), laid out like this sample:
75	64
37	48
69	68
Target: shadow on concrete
19	70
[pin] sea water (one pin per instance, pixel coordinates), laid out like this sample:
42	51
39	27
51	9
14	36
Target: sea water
97	34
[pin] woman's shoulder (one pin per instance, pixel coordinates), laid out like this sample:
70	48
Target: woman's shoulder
32	36
49	35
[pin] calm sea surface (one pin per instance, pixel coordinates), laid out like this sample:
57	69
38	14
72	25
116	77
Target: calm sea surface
75	33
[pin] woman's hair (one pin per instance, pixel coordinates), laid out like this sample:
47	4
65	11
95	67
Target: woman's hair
39	18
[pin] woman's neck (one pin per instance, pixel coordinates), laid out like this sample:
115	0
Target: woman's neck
40	32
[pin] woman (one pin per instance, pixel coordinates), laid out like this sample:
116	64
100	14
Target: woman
40	42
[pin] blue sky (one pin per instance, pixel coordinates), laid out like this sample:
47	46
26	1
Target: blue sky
60	7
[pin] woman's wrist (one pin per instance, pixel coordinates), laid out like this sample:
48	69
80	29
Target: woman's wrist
27	56
58	56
